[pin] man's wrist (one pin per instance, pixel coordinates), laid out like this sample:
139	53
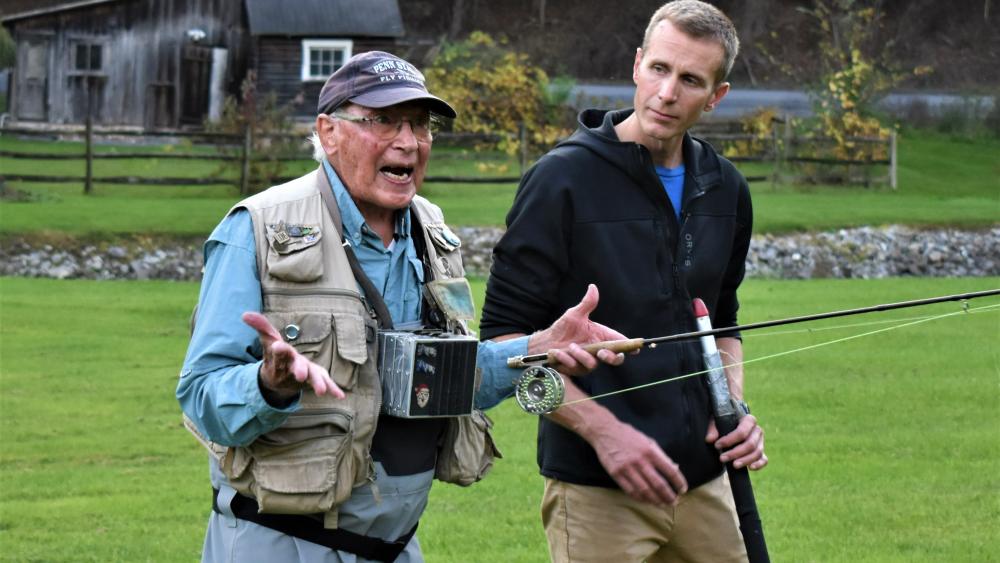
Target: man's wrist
273	398
741	407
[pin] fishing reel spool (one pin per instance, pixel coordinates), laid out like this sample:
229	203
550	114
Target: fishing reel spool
539	390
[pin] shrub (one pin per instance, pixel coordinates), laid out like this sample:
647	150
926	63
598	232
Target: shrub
270	129
497	90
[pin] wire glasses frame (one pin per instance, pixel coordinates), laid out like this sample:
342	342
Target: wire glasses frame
387	126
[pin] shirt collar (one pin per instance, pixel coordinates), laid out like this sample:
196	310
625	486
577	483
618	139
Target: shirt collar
354	221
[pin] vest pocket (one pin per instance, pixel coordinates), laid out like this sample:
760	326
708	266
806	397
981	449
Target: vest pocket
335	341
467	450
297	259
304	466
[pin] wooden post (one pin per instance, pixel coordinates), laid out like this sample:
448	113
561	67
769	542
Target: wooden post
892	160
523	137
245	171
88	180
786	142
775	155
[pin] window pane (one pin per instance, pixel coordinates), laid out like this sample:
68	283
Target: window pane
325	56
81	57
95	57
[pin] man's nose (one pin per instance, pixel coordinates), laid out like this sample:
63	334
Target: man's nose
405	135
668	89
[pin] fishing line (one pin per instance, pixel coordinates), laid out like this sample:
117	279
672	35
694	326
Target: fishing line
964	311
850	325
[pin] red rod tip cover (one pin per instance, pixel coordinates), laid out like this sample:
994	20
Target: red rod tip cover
700	310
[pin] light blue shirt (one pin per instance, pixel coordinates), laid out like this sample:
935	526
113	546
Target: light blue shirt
218	386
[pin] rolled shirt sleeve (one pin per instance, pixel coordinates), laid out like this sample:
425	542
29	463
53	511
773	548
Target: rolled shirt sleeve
218	388
497	380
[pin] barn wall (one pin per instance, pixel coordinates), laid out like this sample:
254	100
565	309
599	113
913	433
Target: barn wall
279	60
140	82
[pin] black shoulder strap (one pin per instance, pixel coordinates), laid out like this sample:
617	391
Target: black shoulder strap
371	294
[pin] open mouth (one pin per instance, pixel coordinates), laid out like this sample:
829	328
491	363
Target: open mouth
397	173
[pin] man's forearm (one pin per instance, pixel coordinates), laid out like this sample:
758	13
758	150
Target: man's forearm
731	350
589	419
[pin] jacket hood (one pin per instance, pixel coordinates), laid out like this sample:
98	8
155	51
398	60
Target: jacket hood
596	133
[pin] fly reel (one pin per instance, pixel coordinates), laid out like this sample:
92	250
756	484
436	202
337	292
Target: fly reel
539	390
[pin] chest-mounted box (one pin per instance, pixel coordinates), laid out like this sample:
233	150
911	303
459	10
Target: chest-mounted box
427	373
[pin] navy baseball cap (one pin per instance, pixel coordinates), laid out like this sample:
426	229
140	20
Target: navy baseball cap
376	79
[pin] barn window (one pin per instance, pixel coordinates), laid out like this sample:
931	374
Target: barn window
320	57
88	57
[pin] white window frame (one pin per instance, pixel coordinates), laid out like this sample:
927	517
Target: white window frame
345	45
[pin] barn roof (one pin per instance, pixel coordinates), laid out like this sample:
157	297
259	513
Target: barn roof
359	18
21	9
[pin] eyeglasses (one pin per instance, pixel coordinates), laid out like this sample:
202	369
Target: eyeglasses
387	126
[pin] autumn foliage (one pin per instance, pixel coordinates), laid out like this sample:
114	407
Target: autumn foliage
498	90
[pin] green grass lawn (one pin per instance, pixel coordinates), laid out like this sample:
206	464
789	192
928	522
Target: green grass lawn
882	448
942	181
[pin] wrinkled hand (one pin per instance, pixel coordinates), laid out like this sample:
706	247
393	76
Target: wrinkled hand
562	340
743	446
285	371
639	466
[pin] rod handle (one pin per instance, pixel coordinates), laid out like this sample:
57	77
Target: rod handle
616	346
623	346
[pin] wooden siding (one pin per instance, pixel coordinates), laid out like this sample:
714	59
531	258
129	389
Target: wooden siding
278	61
140	82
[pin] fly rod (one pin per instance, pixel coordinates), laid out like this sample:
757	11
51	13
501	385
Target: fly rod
633	344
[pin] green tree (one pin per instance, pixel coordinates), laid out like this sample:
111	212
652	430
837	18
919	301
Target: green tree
497	90
7	51
269	128
854	67
857	69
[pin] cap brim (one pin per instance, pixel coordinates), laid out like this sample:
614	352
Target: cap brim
386	97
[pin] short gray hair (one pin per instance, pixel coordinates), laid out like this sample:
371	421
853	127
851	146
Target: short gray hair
701	21
319	153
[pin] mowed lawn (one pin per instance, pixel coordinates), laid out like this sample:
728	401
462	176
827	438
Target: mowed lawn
883	447
942	181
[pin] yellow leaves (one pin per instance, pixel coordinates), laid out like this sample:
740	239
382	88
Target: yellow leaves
500	90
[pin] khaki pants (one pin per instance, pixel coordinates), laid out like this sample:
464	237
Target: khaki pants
600	525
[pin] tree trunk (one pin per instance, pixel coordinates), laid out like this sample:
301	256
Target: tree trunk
457	12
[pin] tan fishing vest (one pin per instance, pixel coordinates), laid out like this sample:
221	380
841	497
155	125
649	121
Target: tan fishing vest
311	463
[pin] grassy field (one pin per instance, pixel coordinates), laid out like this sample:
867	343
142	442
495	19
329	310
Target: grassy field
883	448
942	181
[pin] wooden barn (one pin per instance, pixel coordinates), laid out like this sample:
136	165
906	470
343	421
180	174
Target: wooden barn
170	63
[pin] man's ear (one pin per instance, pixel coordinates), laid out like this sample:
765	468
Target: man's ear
635	65
720	92
326	129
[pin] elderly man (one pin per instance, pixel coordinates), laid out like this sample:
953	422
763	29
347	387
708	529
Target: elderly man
655	217
303	465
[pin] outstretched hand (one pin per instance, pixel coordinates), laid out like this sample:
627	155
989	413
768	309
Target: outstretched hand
285	371
562	340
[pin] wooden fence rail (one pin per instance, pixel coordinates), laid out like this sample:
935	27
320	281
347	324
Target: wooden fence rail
780	149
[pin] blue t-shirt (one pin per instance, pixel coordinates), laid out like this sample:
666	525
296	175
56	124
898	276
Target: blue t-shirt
673	182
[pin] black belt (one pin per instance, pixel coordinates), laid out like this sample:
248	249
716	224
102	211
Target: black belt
311	530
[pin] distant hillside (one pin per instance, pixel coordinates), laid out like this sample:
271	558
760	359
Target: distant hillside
596	39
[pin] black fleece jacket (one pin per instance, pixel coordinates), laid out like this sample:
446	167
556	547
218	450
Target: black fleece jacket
593	210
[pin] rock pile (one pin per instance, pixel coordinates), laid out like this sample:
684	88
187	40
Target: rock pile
848	253
876	253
